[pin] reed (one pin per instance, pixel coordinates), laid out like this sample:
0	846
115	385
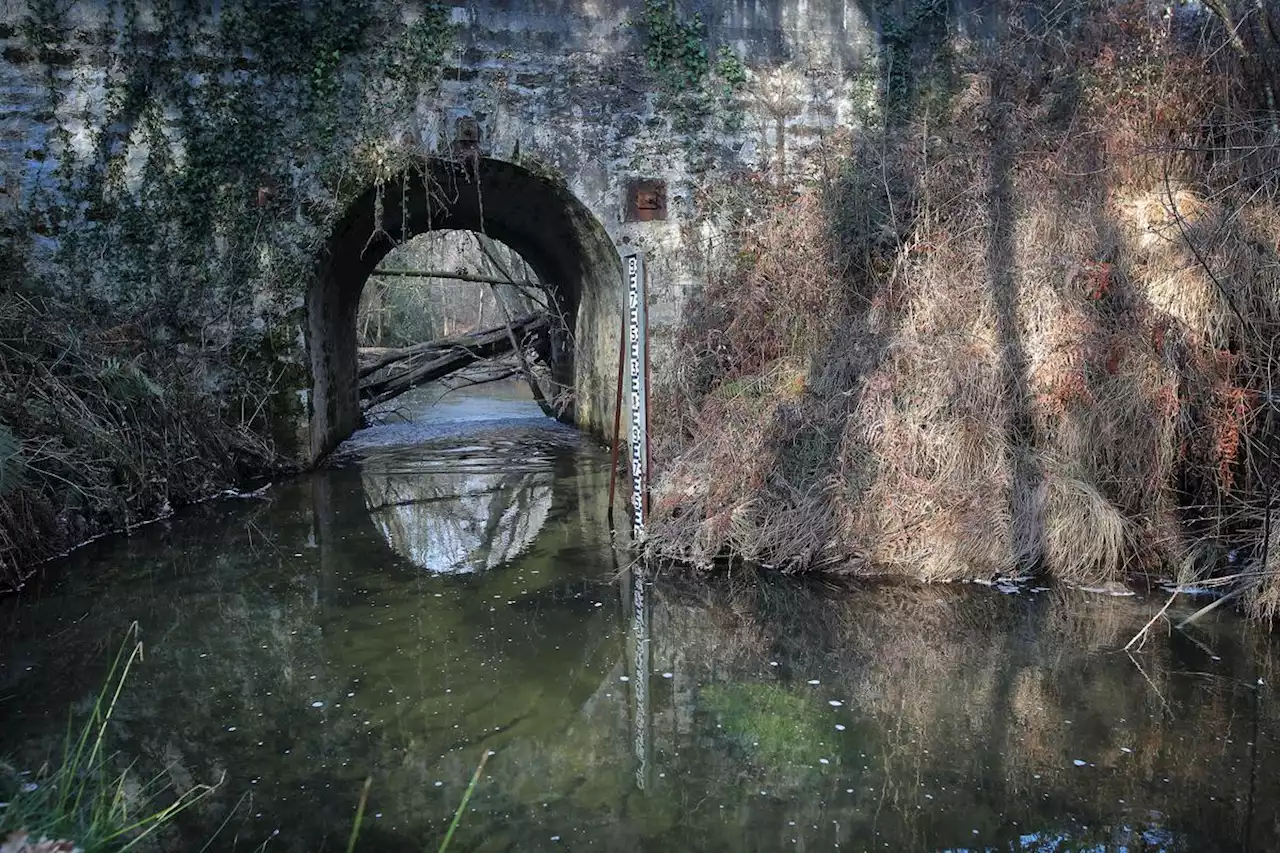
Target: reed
80	801
466	798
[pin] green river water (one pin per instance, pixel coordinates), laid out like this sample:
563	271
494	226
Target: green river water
450	586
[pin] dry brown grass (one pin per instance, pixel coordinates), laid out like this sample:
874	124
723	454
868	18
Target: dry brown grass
1043	339
103	427
753	340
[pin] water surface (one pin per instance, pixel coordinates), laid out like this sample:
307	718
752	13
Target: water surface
450	586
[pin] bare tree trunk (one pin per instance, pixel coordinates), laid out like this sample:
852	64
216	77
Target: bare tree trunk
441	358
1264	60
380	289
486	245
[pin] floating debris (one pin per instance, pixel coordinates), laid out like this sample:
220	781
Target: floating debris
1113	589
256	493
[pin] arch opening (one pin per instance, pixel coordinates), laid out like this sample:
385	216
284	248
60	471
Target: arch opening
538	218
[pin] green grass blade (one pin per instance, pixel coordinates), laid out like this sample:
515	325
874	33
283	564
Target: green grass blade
462	806
81	798
164	816
87	769
355	829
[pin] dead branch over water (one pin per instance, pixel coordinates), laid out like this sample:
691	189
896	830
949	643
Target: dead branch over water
435	360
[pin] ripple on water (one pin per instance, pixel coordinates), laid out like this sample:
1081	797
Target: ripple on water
517	424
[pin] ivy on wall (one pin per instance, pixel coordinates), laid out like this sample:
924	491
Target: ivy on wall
228	141
675	48
915	55
693	83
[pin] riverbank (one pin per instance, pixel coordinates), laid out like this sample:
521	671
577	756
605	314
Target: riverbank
103	429
1025	324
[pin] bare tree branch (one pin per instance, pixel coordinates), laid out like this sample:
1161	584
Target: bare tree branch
484	242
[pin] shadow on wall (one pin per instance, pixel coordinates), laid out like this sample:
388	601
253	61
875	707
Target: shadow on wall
534	214
1024	325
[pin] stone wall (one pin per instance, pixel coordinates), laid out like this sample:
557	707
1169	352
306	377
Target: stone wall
234	172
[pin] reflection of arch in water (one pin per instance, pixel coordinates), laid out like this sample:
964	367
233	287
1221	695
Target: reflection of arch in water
459	522
374	514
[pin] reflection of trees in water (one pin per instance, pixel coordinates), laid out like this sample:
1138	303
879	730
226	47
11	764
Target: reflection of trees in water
982	702
961	697
455	523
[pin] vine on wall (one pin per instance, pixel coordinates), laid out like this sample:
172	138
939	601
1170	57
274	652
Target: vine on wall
215	148
916	60
693	84
231	142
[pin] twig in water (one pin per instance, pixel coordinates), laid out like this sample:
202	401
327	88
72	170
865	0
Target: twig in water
1140	637
1211	606
1164	703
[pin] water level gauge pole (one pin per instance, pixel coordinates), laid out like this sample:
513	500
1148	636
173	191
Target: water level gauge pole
637	364
617	410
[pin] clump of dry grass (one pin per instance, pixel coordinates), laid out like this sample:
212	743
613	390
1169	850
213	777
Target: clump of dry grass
1048	344
749	355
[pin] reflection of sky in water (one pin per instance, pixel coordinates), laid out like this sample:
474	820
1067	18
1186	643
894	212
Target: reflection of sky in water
451	507
489	520
422	415
1127	840
1149	841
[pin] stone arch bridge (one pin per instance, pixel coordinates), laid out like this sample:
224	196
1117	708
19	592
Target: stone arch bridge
220	160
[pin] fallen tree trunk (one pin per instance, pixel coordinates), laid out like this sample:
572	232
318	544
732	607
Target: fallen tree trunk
373	359
434	360
459	276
